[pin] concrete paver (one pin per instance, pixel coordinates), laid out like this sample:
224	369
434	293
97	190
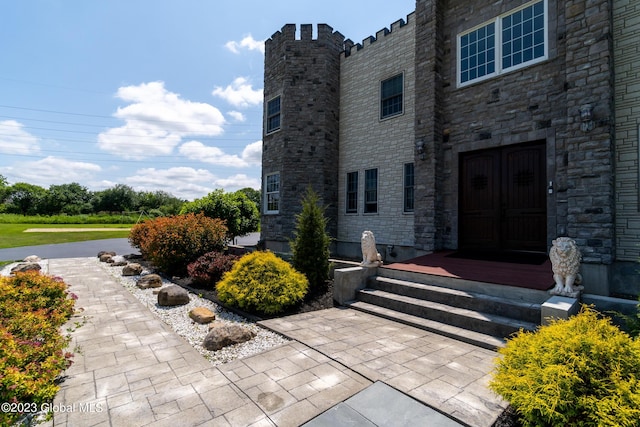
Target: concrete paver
132	369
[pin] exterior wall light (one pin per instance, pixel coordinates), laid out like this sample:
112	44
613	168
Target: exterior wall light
586	118
420	148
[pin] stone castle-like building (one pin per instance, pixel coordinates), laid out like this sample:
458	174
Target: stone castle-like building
468	125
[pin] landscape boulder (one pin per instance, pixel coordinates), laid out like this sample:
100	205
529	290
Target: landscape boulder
202	315
132	269
173	295
118	261
149	281
221	335
105	256
32	258
23	267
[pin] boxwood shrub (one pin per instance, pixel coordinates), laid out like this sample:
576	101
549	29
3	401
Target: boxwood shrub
261	282
583	371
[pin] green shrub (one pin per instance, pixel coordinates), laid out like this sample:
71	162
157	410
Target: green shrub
311	244
171	243
208	269
33	307
263	283
582	371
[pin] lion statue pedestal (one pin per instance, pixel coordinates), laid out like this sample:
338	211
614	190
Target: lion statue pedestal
565	264
370	255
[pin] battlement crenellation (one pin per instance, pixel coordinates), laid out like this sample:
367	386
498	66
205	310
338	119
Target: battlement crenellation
384	32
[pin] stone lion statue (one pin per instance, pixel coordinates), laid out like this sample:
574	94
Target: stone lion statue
370	255
565	264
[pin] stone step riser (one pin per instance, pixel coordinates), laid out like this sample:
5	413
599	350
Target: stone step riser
442	315
528	312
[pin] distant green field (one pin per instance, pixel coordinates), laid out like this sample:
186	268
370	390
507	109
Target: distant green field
13	235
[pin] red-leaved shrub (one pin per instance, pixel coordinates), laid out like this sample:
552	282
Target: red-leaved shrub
209	268
171	243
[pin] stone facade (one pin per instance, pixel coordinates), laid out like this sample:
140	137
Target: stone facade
368	142
305	73
626	38
539	102
591	167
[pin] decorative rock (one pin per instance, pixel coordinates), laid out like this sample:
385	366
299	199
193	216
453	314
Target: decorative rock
105	257
173	295
111	253
202	315
32	258
118	261
26	266
132	269
149	281
221	336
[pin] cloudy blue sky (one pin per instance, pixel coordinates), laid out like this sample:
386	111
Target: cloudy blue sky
154	94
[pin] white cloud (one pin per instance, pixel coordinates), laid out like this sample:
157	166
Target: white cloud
239	93
15	140
237	182
51	170
156	120
237	116
195	150
252	153
187	183
247	43
183	182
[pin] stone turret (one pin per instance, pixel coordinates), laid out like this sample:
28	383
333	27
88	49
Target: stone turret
302	150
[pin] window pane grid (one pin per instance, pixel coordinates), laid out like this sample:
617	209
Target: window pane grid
477	53
273	115
391	96
523	36
273	192
511	40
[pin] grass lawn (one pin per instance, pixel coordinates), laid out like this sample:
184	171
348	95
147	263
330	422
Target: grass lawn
13	235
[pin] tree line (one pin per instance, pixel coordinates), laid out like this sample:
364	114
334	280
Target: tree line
240	209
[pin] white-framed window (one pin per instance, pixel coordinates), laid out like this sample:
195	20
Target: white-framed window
516	39
391	95
272	193
273	115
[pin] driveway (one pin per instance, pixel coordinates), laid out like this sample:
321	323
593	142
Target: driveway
90	248
69	250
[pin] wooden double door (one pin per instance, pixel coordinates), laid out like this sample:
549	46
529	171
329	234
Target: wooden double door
503	199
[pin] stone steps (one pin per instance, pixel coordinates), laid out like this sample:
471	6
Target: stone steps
470	316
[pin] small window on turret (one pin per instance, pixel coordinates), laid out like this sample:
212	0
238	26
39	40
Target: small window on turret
273	115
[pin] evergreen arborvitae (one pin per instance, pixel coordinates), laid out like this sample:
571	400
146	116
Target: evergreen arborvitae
311	244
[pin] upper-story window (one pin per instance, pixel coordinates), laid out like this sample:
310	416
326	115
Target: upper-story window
511	41
391	96
273	115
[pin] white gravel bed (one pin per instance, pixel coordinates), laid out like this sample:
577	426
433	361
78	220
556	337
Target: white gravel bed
178	319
